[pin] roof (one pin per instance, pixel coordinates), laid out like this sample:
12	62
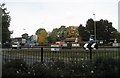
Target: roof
70	39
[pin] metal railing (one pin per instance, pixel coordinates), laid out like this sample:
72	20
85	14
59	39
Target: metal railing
49	54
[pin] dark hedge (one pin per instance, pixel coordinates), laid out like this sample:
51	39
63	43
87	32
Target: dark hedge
99	68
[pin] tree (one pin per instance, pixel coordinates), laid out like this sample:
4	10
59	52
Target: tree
84	34
5	24
25	36
90	26
42	36
62	33
116	35
58	34
53	36
104	29
72	31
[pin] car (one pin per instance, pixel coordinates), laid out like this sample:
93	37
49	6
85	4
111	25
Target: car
16	45
6	45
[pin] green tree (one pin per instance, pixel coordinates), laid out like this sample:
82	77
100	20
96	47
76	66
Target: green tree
25	36
5	24
53	36
62	33
104	29
116	35
84	34
58	34
90	26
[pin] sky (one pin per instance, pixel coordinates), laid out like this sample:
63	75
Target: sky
27	16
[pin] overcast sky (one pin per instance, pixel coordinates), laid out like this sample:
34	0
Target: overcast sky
29	15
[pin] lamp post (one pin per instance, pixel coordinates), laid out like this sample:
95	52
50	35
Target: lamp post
94	28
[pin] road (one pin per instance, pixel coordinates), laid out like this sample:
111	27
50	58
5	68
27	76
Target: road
74	49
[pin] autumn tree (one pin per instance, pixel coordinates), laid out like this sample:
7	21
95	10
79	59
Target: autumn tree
42	36
72	31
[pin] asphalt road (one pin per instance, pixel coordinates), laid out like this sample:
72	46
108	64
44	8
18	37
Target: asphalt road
73	49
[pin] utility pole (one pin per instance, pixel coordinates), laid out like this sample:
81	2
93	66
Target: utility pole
94	28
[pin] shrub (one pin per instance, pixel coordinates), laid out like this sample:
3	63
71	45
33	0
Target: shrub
14	68
107	68
99	68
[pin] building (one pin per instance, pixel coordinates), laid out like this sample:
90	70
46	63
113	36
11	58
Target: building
119	16
17	39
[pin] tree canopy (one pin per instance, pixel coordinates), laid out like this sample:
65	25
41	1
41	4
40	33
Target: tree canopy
5	24
104	29
72	31
83	33
25	36
42	36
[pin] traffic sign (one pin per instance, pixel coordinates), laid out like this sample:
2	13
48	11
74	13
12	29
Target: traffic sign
91	40
91	45
88	46
94	46
85	46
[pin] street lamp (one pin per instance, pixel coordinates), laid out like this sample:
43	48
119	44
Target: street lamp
94	28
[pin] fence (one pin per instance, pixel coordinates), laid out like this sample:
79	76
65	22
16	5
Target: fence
49	54
76	62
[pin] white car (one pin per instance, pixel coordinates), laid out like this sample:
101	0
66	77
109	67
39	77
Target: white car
16	45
